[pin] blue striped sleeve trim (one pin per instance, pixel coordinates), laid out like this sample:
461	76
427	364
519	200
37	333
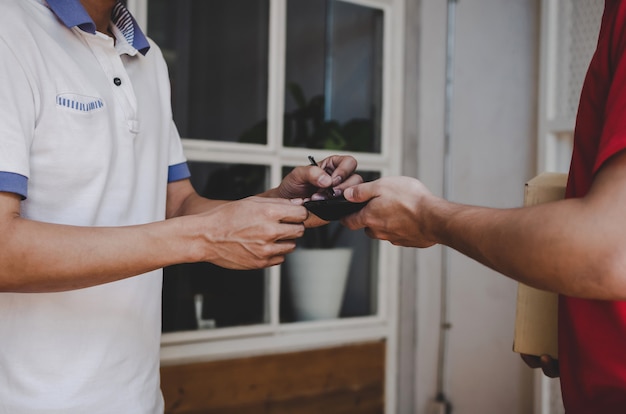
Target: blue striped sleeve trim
178	172
14	183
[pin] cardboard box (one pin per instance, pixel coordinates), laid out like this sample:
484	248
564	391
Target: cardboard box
536	319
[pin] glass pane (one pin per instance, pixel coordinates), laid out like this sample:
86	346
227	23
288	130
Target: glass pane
202	295
303	296
333	93
217	54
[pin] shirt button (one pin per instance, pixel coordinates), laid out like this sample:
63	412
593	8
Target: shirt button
117	81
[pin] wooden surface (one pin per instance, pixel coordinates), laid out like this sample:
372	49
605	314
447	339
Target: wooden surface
347	379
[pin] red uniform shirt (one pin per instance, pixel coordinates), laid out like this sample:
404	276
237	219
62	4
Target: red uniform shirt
592	334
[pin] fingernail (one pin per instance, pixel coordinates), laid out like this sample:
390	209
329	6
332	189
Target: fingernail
347	193
337	180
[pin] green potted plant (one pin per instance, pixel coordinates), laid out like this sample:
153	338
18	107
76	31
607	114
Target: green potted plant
306	126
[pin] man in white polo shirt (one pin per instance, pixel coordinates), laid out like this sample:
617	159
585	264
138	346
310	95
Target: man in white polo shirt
95	199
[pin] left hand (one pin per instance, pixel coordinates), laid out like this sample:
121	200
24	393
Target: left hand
335	172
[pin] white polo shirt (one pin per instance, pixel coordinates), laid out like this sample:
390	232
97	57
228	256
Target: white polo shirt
86	138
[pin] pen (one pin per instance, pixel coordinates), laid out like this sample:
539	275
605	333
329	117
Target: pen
329	191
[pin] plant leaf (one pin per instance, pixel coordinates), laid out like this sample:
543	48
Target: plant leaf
297	94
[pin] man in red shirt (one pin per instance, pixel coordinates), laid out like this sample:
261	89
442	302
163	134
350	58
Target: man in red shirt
576	247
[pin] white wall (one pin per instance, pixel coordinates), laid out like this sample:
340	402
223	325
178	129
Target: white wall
493	154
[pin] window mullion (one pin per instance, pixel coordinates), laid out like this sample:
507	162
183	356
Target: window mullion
275	109
276	81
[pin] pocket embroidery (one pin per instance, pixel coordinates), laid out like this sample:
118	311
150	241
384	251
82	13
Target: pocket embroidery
79	103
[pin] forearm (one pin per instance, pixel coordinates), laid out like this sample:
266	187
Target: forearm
560	247
182	200
42	257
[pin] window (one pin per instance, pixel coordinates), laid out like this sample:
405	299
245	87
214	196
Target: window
257	87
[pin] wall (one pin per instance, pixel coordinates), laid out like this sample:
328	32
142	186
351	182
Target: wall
492	155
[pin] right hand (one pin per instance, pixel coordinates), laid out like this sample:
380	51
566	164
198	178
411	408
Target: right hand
548	365
397	211
251	233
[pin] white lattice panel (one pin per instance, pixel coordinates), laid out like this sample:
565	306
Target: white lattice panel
578	21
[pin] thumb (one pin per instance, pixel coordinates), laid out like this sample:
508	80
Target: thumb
358	193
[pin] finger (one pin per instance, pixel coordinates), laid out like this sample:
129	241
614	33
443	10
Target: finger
314	221
279	201
381	235
259	263
319	196
531	360
276	260
275	253
301	182
284	247
550	366
286	210
360	192
322	180
286	232
354	221
342	166
269	262
353	180
294	215
318	177
550	372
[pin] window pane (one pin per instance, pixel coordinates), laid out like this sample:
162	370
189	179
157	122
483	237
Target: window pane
202	295
333	75
217	54
359	291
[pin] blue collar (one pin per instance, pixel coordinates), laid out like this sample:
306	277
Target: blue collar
72	13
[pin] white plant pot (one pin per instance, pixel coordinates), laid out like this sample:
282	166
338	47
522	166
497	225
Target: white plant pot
317	281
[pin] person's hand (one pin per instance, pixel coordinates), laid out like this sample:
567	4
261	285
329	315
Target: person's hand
335	173
548	365
251	233
397	210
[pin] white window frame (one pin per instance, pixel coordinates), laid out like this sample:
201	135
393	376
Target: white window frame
555	133
195	346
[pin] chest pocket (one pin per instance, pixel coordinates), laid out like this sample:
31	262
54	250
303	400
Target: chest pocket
79	103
